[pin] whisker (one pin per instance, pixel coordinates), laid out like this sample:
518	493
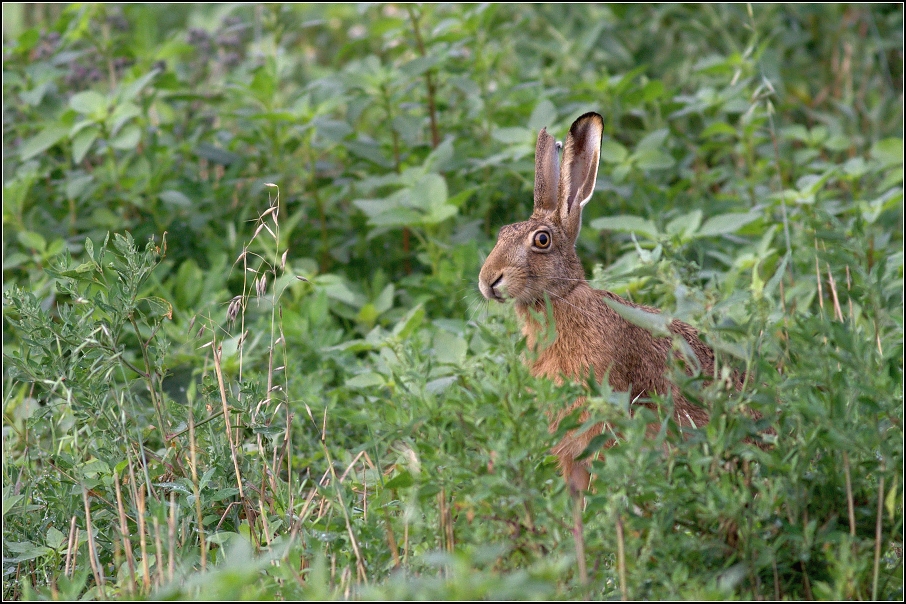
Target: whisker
579	309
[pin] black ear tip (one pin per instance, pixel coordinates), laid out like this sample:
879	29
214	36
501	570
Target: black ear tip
583	120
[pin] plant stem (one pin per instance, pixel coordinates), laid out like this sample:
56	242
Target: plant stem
429	80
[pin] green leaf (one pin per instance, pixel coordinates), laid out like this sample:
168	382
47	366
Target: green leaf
613	152
217	155
224	538
368	379
55	538
429	191
400	481
384	301
685	224
512	136
122	114
32	240
396	217
337	288
726	223
26	550
449	348
175	198
625	223
158	307
774	281
127	138
409	323
90	103
43	141
130	91
653	141
440	213
420	65
656	323
9	502
718	128
76	186
543	116
206	478
82	143
653	159
888	151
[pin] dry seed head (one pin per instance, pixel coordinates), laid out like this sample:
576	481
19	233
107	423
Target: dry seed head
283	260
233	309
261	285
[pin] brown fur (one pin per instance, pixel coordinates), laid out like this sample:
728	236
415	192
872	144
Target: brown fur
589	334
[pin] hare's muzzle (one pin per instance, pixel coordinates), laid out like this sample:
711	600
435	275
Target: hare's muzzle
494	290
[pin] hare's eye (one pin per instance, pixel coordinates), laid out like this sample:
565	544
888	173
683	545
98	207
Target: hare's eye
542	240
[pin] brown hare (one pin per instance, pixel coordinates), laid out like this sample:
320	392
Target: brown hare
536	259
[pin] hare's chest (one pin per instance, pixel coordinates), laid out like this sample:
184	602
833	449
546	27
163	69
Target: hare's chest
576	356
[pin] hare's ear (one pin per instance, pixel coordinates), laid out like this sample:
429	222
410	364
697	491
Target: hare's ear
580	170
547	173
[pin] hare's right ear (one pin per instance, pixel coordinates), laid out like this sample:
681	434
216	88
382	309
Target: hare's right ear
547	173
580	170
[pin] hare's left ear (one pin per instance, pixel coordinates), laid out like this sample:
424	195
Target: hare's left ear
579	170
547	174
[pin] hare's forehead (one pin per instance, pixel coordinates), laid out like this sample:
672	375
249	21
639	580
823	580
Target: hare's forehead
520	229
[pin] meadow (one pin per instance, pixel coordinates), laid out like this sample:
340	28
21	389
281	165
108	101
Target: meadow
244	351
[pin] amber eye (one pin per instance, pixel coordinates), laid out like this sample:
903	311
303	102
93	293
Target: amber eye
542	240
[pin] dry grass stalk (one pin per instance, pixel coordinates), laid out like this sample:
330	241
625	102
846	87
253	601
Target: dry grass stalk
124	535
92	548
218	370
196	490
158	550
71	546
143	541
833	287
171	538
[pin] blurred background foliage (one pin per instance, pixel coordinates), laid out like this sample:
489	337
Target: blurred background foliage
313	188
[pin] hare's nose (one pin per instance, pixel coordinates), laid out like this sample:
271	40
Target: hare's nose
495	291
489	289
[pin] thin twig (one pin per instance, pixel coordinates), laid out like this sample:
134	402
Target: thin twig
579	537
878	526
171	538
196	490
360	566
849	495
621	558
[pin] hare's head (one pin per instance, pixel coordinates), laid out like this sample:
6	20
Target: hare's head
538	256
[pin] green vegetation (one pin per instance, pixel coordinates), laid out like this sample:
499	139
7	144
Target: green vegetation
244	355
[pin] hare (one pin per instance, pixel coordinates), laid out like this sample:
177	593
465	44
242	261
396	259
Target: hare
537	259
